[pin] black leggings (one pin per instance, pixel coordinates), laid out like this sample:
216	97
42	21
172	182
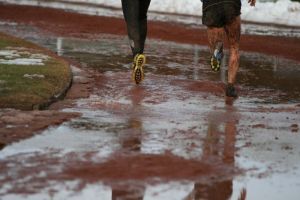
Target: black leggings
135	14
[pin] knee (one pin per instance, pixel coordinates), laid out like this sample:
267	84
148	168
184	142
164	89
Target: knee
235	48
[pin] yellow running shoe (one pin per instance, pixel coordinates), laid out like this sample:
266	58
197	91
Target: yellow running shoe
215	64
137	68
216	58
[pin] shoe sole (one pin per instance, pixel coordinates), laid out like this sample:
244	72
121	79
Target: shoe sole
138	72
215	64
138	76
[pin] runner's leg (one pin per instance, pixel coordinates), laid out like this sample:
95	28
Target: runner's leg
131	15
144	5
215	37
135	14
233	32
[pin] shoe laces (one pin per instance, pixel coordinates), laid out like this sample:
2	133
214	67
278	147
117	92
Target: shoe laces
140	61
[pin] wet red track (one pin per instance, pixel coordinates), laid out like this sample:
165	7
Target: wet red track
72	24
193	120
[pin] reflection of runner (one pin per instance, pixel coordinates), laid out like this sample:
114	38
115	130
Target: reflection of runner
220	16
222	149
131	143
135	14
219	146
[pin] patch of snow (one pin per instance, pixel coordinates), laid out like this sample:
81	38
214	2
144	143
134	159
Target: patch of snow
10	126
8	23
39	56
9	53
32	76
280	12
22	61
21	57
283	12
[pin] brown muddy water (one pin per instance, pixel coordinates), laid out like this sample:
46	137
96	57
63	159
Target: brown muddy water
172	137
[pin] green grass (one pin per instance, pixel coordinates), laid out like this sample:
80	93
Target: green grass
9	41
19	92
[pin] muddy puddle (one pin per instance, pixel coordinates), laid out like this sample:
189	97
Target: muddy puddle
173	137
259	76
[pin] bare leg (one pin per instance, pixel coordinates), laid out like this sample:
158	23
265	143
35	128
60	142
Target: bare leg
215	36
233	32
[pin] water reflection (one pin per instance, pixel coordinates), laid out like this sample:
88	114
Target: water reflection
259	75
131	143
270	78
59	46
187	62
219	146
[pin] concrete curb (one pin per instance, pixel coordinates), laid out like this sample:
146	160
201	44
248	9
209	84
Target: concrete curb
55	98
65	86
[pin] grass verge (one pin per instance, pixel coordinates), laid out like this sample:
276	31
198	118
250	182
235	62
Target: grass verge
31	77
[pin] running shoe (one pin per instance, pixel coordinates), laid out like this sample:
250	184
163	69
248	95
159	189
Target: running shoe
137	68
216	58
231	91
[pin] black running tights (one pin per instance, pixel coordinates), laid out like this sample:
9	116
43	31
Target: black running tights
135	14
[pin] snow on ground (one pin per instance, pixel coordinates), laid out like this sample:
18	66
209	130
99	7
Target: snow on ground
281	12
16	57
284	12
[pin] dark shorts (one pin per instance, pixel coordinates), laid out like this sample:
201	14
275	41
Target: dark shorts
218	13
